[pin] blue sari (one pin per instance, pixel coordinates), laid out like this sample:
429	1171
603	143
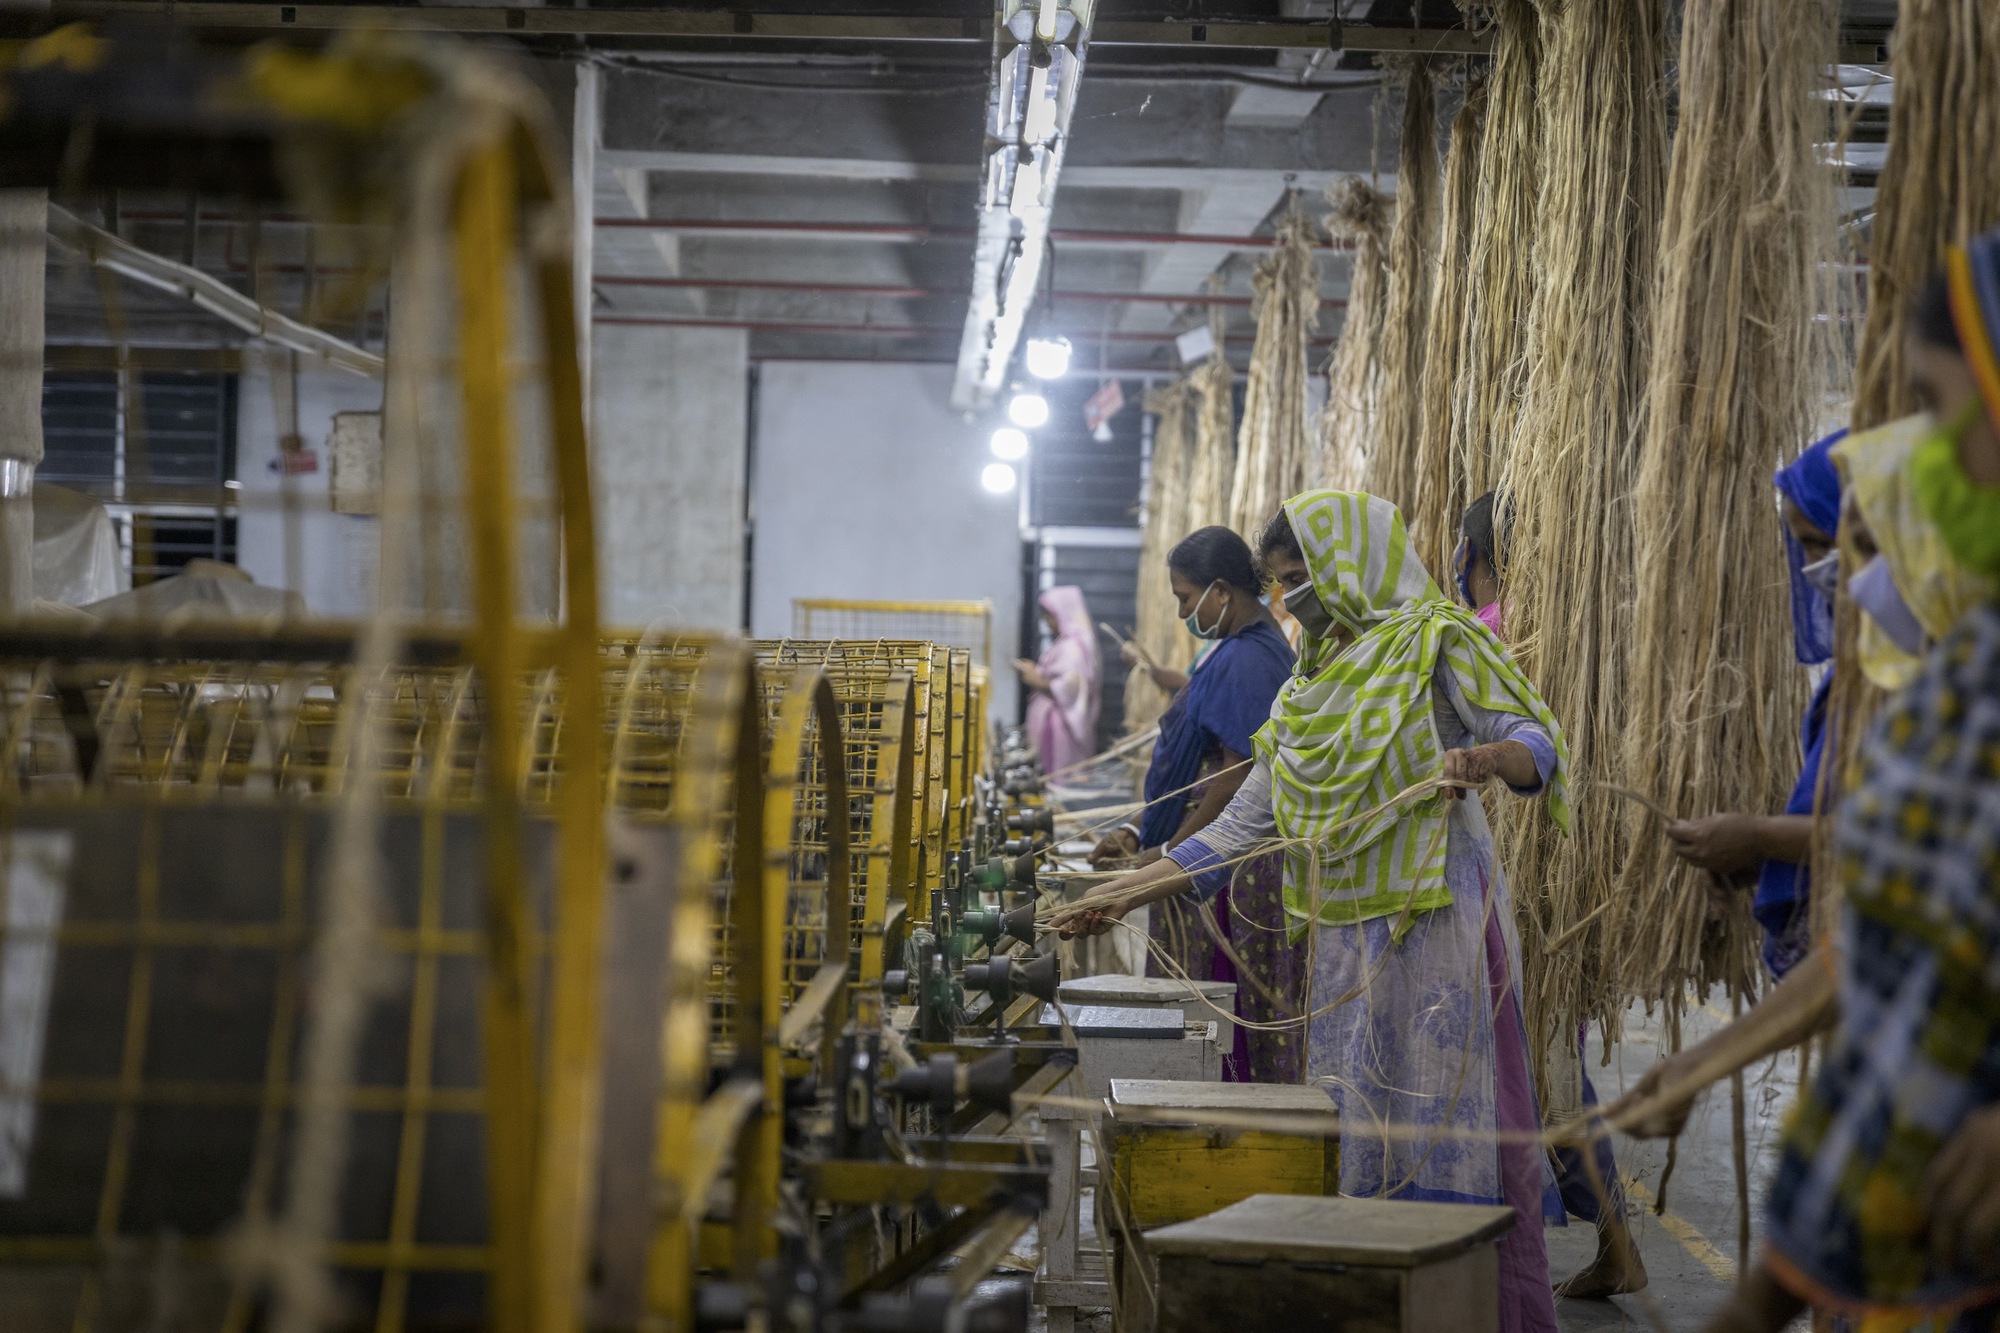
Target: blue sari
1227	698
1784	888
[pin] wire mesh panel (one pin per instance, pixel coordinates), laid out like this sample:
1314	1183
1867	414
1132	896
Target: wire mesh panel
190	801
957	624
171	966
874	701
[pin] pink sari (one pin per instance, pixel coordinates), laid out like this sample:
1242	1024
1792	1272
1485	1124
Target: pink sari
1062	720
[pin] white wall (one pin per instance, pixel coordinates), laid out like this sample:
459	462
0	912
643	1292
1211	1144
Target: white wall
865	484
336	552
669	408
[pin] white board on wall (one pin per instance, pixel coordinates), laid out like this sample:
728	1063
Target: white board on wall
865	484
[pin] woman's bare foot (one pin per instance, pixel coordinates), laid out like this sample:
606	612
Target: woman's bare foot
1616	1271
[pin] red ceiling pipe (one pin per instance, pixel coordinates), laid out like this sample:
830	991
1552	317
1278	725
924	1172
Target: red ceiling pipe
908	293
873	330
919	231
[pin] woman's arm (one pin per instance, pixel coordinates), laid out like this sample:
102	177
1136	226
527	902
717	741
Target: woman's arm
1508	760
1221	790
1729	843
1173	682
1093	915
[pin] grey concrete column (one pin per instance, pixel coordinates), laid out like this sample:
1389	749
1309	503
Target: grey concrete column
24	244
668	462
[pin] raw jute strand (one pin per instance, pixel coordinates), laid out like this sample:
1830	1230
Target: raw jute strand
1716	695
1492	368
1439	487
1157	627
1392	472
1938	187
1939	183
1354	368
1213	470
1601	106
1274	445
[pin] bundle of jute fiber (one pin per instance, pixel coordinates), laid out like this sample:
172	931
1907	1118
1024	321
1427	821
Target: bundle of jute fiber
1939	184
1601	102
1359	216
1156	619
1715	693
1392	472
1938	187
1439	499
1212	469
1492	368
1274	444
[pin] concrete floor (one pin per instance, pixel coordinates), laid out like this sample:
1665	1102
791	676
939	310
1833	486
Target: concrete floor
1690	1251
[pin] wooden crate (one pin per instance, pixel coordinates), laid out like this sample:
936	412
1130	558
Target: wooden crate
1331	1265
1161	1174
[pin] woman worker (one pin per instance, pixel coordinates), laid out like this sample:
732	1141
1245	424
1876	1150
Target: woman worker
1415	1018
1885	1205
1199	762
1590	1186
1062	712
1777	847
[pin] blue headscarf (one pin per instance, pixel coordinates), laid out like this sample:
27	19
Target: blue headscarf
1783	888
1811	482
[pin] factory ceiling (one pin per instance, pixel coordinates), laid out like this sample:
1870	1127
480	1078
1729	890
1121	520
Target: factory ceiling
814	176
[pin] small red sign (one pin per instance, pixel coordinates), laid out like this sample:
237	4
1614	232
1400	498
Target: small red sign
1103	405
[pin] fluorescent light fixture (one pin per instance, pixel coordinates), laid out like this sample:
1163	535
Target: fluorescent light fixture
1039	125
998	478
1048	358
1027	193
1009	444
1028	410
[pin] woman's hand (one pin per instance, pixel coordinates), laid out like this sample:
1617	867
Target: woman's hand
1509	760
1962	1196
1726	844
1121	844
1084	917
1031	675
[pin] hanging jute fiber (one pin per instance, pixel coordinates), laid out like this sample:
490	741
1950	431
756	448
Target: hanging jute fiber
1439	503
1601	103
1939	187
1360	217
1274	445
1940	183
1392	472
1157	626
1212	471
1716	694
1492	368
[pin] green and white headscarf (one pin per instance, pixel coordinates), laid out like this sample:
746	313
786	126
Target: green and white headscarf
1353	729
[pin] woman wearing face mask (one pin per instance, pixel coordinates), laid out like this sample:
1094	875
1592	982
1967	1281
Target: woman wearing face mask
1885	1205
1481	553
1416	1024
1062	711
1199	762
1777	847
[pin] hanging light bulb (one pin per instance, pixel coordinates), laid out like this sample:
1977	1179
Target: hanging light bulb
1048	358
1028	410
1009	444
998	478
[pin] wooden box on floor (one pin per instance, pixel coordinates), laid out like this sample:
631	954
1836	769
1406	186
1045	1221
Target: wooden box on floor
1160	1174
1331	1265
